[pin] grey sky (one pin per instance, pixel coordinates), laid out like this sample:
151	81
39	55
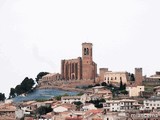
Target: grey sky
36	34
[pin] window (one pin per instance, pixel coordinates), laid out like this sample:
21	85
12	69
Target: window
86	51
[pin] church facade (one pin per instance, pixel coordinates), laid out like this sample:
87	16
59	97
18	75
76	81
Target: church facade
80	68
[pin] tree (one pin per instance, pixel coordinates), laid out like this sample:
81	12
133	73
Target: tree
90	86
121	85
2	97
124	92
40	75
80	94
132	78
42	110
59	96
104	84
97	103
124	86
97	84
12	93
110	85
18	90
78	104
27	84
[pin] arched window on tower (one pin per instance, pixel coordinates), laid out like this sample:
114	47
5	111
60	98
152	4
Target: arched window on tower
85	51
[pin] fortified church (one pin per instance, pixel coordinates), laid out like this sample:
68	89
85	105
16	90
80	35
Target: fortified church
81	68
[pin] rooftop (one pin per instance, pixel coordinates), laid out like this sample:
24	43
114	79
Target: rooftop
50	75
98	87
7	108
70	97
123	100
116	72
154	98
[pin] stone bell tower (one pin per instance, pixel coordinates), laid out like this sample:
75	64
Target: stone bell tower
89	68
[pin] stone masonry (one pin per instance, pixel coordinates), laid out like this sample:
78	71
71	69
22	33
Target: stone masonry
81	68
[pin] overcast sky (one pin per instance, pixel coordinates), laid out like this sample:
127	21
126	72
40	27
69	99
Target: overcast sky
36	34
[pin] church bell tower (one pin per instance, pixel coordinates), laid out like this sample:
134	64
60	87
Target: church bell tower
87	61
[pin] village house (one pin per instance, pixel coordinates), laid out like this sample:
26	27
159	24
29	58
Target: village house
28	107
75	115
120	105
19	113
98	92
61	115
7	112
72	99
59	108
157	90
85	115
103	92
152	103
88	106
135	91
93	114
115	116
48	116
